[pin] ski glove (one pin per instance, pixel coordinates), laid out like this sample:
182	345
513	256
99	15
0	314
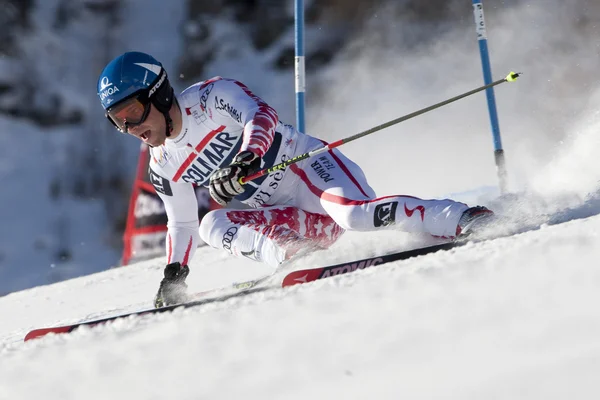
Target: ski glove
224	183
172	288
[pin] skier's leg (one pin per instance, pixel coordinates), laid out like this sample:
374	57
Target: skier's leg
340	188
270	235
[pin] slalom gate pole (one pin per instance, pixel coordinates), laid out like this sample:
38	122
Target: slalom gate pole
299	64
491	99
509	78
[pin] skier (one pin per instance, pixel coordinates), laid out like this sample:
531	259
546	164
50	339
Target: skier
216	132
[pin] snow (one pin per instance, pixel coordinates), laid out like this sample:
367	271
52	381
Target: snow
393	66
44	231
38	229
510	318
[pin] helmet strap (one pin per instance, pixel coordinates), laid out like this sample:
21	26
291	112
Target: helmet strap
169	124
168	120
163	100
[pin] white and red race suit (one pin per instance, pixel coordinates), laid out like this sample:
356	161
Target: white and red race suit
312	201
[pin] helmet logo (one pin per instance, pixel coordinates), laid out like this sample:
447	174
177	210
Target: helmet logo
151	67
160	82
107	89
104	83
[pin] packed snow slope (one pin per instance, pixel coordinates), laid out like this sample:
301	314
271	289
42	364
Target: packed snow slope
515	317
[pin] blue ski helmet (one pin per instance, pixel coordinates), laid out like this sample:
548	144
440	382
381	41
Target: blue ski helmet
135	74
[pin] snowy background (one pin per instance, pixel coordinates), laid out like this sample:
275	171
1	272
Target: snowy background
68	174
510	318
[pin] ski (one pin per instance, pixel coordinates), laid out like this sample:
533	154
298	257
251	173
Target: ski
234	287
197	299
313	274
254	286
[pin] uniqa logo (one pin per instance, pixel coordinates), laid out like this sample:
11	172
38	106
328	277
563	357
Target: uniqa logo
108	92
104	83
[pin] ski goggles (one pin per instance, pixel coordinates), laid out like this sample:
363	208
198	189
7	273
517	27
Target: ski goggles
130	112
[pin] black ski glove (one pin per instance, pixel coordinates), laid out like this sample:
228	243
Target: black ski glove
224	183
172	288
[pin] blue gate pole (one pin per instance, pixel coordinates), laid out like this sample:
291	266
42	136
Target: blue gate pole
491	100
299	64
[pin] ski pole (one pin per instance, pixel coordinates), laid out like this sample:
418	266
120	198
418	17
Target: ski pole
509	78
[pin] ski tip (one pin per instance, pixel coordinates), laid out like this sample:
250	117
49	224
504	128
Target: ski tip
38	333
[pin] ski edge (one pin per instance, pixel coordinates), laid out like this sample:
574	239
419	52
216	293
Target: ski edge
241	289
313	274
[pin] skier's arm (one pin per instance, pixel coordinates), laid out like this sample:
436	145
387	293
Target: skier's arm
181	206
232	102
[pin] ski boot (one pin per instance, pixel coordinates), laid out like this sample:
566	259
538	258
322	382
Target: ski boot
474	219
173	289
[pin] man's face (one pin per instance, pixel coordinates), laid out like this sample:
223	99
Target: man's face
152	130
